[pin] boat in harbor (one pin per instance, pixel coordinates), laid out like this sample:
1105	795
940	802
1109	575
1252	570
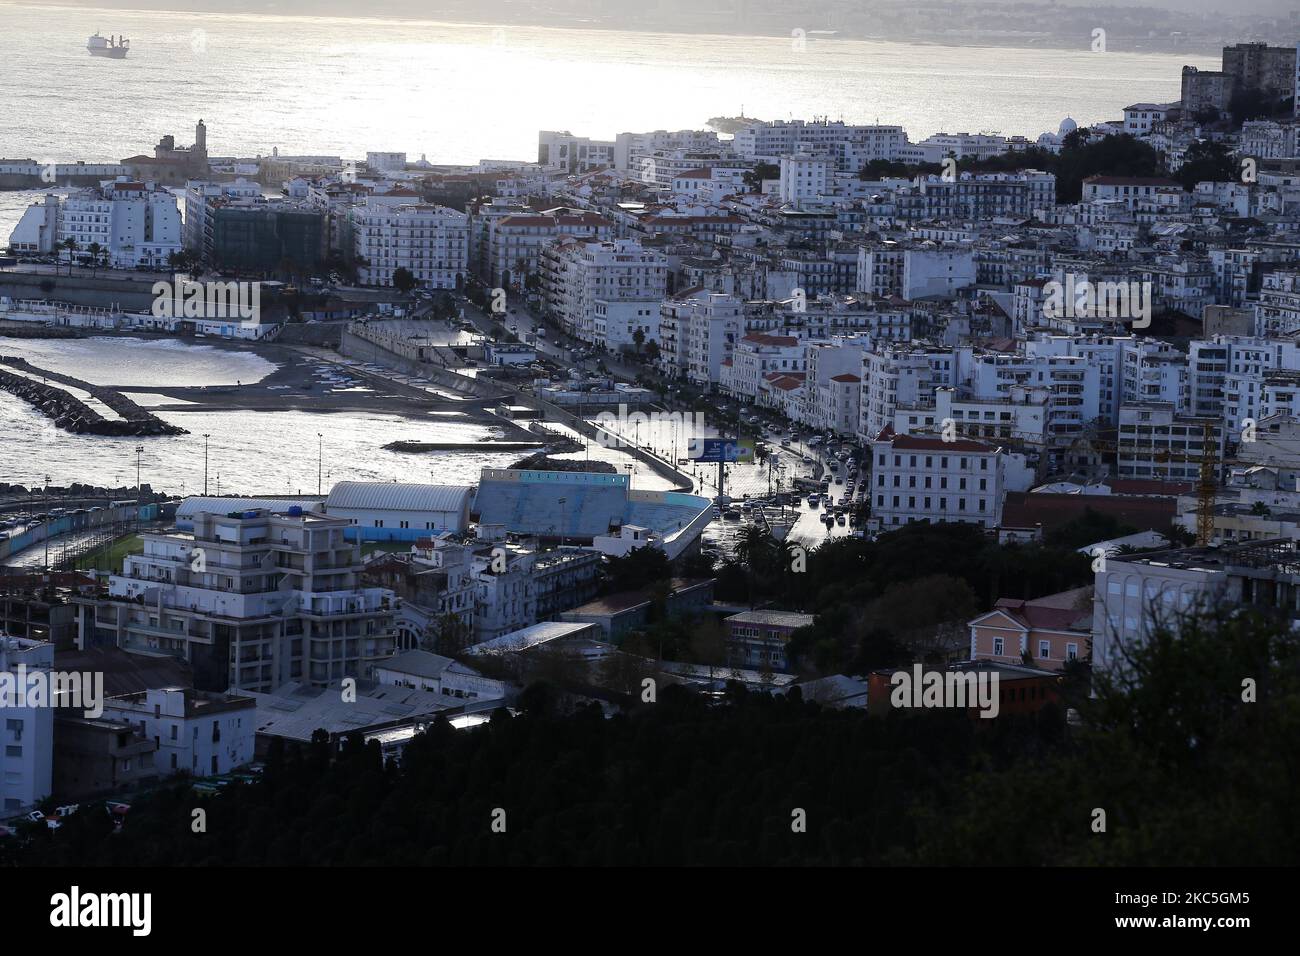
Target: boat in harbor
113	47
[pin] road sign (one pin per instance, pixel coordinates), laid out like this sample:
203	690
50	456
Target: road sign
715	450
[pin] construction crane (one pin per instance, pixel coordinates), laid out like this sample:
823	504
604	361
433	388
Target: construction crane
1207	481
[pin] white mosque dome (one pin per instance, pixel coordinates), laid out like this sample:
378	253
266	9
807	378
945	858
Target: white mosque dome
1068	125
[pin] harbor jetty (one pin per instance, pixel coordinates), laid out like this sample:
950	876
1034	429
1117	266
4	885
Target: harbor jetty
124	417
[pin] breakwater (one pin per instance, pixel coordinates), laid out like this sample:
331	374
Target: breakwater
74	414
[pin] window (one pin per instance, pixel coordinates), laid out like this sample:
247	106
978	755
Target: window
1044	650
997	647
13	750
1071	652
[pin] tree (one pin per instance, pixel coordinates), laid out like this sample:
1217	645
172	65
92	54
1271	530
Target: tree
1206	161
404	280
753	178
652	350
71	245
638	339
1250	102
636	569
94	249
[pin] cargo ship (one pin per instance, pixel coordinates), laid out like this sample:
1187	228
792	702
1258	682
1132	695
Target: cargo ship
114	48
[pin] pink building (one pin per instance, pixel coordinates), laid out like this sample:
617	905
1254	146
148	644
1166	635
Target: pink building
1047	631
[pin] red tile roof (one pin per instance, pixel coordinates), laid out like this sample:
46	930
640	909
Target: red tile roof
1024	509
920	443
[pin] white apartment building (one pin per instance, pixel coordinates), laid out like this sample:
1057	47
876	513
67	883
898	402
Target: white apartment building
631	148
933	271
1277	313
431	242
132	224
839	403
1128	190
618	322
26	732
1134	592
198	733
823	361
901	375
755	356
505	600
515	242
932	480
481	214
1141	118
604	291
561	151
381	162
250	599
1154	371
935	148
853	146
805	177
1019	419
880	268
975	196
660	167
1155	441
422	670
865	144
37	230
1070	381
699	331
710	184
1105	353
1281	394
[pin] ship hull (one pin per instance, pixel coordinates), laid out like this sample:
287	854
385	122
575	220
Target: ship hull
113	53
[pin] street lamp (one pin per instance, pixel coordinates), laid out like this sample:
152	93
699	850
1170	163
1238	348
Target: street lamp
46	499
206	436
320	461
139	488
564	518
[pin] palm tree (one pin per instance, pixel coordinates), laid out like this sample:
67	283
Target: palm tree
95	250
757	550
71	245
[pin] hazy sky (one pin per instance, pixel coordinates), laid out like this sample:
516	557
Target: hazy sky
1262	7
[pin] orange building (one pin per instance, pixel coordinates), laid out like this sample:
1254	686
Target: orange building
1047	631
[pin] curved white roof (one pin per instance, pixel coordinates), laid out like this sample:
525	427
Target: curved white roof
196	504
397	496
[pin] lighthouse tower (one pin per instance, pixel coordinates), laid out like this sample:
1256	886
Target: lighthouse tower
199	152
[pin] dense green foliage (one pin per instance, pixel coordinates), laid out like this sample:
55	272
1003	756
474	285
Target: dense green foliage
875	599
1186	772
1081	156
